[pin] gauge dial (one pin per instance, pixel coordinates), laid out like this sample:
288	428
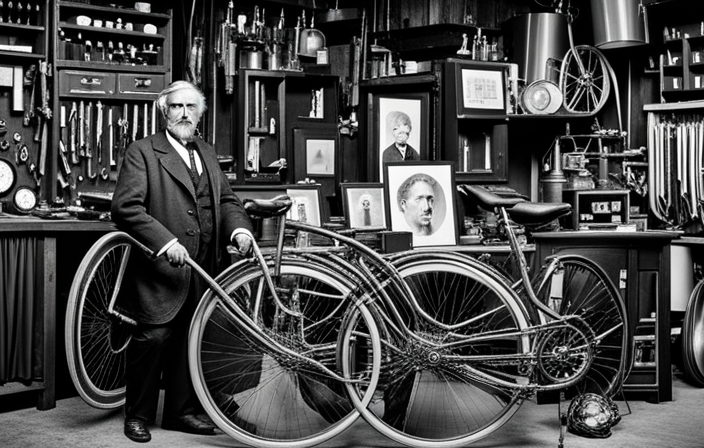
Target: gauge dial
7	176
24	200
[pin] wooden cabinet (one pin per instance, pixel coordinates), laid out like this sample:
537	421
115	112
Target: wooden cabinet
475	119
638	263
279	115
111	61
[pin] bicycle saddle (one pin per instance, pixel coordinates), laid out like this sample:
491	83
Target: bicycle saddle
521	211
268	208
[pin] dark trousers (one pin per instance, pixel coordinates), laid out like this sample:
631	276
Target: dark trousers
157	356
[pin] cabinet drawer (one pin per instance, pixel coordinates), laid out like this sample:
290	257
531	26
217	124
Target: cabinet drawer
82	83
145	84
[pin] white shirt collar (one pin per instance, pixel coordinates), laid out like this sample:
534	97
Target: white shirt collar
183	152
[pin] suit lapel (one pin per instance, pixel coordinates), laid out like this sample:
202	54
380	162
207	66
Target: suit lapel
172	161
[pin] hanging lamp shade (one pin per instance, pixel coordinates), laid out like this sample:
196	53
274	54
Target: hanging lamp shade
618	23
538	38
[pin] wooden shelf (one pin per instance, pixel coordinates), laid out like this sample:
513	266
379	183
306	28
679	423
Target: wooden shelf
664	107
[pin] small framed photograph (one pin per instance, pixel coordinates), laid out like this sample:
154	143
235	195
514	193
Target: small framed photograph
316	151
364	205
307	202
421	200
481	89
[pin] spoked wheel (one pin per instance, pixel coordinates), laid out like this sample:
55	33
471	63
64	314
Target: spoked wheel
693	337
584	80
95	341
582	288
254	392
429	396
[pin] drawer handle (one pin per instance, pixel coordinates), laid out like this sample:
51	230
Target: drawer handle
142	82
86	81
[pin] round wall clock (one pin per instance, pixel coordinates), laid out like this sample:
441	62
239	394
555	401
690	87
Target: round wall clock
8	176
24	200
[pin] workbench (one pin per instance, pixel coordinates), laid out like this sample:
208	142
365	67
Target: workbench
38	258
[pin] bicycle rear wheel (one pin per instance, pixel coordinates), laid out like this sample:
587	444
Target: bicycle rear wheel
96	342
254	392
693	337
427	398
583	289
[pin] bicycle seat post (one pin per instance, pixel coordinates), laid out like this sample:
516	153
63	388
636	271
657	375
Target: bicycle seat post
280	239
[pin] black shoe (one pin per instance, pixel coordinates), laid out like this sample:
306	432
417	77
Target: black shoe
136	430
190	424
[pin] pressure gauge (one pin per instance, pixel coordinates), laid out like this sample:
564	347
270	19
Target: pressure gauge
24	200
8	176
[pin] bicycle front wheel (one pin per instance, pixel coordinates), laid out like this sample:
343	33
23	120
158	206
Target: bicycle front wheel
426	397
580	287
258	394
584	80
96	342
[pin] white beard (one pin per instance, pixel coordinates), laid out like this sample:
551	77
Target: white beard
183	131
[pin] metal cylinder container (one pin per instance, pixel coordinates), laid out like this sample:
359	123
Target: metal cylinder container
617	23
537	38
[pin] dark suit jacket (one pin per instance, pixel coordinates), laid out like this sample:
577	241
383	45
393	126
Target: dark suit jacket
154	201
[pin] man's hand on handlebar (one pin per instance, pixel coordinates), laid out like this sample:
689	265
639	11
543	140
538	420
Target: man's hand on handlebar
244	243
176	254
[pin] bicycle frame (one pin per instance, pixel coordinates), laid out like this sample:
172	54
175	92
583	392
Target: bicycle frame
377	276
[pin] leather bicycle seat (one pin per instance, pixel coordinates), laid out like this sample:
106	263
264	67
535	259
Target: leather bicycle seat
268	208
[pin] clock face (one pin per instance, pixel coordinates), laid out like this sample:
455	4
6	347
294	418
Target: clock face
25	200
7	176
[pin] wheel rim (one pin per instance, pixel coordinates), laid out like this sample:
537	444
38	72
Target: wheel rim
589	294
426	401
95	344
254	394
586	91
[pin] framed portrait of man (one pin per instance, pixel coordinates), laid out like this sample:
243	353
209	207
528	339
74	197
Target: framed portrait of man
364	205
421	200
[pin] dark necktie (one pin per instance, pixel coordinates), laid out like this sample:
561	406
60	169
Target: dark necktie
190	146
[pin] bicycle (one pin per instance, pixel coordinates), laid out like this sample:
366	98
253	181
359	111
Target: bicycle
289	348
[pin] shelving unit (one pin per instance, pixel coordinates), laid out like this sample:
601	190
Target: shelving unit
111	62
278	111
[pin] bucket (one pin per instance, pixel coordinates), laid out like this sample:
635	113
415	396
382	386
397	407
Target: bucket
537	38
617	23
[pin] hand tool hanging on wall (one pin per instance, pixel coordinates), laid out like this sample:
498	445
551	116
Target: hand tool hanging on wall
99	137
135	121
63	158
73	134
30	80
81	129
89	142
145	121
111	139
45	114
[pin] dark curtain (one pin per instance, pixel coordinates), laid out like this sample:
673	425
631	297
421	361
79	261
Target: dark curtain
19	295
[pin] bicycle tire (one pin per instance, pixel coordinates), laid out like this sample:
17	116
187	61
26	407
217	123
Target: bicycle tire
588	292
584	92
428	404
693	337
250	391
95	361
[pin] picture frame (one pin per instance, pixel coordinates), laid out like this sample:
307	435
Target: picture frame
307	204
384	107
316	151
481	89
364	205
431	226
